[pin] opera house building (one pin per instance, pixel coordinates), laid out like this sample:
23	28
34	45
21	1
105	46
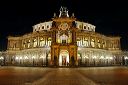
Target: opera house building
63	41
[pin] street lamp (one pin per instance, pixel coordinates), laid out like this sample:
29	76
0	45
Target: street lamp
26	60
33	57
126	60
20	59
101	60
1	60
17	59
94	58
107	59
111	60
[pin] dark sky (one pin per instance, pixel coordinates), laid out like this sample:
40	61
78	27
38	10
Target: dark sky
18	17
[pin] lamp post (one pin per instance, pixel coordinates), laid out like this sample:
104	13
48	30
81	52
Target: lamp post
1	60
20	59
33	58
111	60
17	59
101	60
107	60
126	61
26	60
94	58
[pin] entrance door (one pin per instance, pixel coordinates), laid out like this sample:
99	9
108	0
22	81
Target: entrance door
64	58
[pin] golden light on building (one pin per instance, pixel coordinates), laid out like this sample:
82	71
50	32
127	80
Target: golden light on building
63	41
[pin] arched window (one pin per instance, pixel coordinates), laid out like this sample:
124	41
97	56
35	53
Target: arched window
49	41
92	42
64	38
42	27
103	44
28	43
85	42
34	42
84	27
47	26
98	42
42	42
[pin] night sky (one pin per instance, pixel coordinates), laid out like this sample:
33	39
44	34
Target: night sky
18	17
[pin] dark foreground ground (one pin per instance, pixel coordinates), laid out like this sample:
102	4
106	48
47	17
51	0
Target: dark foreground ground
64	76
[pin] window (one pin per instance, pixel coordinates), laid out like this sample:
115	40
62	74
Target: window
103	43
85	42
42	27
14	45
47	26
64	38
28	43
84	27
34	42
98	42
42	42
49	41
93	43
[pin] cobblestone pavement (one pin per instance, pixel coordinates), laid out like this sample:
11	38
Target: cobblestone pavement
63	76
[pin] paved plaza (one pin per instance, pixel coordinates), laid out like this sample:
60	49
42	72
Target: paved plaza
63	76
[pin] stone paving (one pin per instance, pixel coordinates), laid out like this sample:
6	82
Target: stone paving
63	76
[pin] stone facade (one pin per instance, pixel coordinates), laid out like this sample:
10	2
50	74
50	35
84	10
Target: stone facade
63	41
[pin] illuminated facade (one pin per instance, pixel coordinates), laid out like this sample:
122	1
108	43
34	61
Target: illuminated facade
63	41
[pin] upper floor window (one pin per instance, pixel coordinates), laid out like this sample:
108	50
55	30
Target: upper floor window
49	41
42	42
34	42
98	42
47	26
28	43
84	27
42	27
64	38
103	44
85	42
92	42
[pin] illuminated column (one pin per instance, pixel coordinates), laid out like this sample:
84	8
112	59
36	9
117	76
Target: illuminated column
90	41
82	40
46	41
96	42
38	41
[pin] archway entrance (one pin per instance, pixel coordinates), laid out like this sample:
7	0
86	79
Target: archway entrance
64	58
